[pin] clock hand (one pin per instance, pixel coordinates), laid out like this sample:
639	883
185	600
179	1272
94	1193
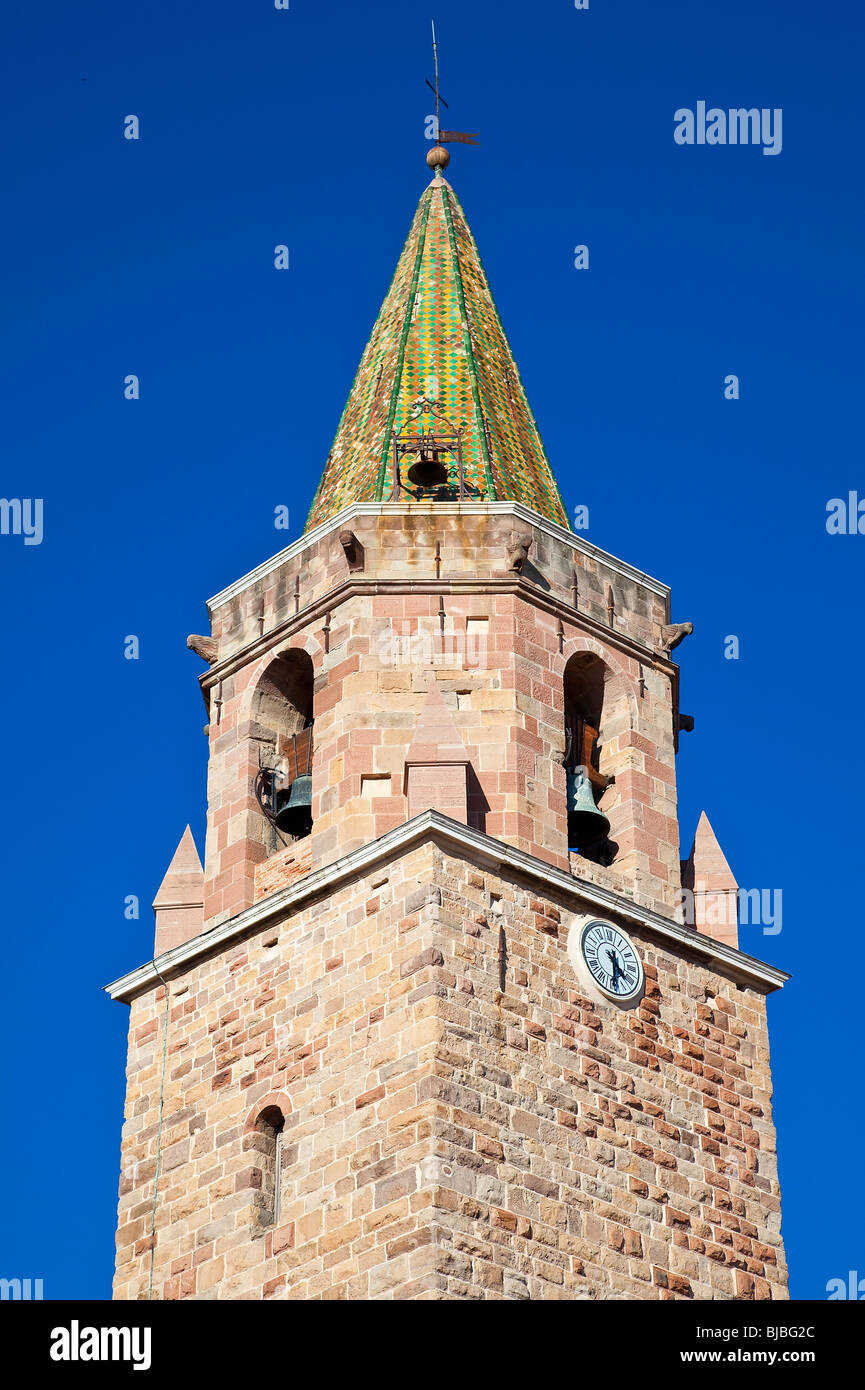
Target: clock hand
614	961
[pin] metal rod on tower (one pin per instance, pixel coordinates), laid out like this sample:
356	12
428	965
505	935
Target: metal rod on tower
436	66
438	158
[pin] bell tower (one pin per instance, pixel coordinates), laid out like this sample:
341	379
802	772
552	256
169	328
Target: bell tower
443	1014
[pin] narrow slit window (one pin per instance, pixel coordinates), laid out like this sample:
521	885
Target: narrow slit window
270	1128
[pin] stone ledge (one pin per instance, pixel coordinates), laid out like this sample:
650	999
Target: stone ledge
450	835
509	508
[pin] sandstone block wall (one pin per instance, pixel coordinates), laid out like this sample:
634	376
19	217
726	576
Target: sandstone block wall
460	1120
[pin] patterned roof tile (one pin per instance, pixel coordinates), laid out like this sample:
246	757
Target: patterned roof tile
438	336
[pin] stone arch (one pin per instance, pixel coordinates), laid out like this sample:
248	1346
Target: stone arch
621	682
273	1100
306	642
263	1135
299	642
283	693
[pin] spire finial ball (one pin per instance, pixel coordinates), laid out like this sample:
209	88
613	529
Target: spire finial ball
438	157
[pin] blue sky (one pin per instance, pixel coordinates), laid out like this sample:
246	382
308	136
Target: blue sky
155	257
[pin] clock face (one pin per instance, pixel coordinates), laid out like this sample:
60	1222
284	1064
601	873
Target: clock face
613	963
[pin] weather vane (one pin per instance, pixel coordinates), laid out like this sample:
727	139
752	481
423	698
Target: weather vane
438	157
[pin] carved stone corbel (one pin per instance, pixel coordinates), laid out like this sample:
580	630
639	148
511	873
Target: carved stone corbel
519	544
673	634
205	647
353	549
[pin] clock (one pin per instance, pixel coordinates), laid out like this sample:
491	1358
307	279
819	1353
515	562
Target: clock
611	960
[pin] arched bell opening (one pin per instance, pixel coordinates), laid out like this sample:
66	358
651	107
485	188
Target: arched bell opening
585	680
282	728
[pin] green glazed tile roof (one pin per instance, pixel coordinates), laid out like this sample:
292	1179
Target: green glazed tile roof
439	336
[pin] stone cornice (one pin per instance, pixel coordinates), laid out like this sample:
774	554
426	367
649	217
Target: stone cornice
506	584
455	838
517	509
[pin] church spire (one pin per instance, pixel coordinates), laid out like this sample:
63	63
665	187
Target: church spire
438	354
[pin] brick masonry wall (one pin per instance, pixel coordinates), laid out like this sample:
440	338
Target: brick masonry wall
446	1138
282	869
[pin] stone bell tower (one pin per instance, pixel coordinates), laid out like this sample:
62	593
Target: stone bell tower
431	1021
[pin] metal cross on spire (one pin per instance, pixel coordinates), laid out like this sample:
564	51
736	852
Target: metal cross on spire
438	157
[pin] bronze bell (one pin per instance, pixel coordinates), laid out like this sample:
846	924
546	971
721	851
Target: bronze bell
428	470
294	812
586	824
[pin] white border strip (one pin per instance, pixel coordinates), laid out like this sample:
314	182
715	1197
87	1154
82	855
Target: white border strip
519	509
460	837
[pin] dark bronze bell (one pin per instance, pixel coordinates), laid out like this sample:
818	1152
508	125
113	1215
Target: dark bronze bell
586	824
428	470
294	813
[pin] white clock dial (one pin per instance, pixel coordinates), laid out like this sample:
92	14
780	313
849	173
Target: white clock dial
613	963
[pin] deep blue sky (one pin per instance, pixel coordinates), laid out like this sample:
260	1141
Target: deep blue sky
261	127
